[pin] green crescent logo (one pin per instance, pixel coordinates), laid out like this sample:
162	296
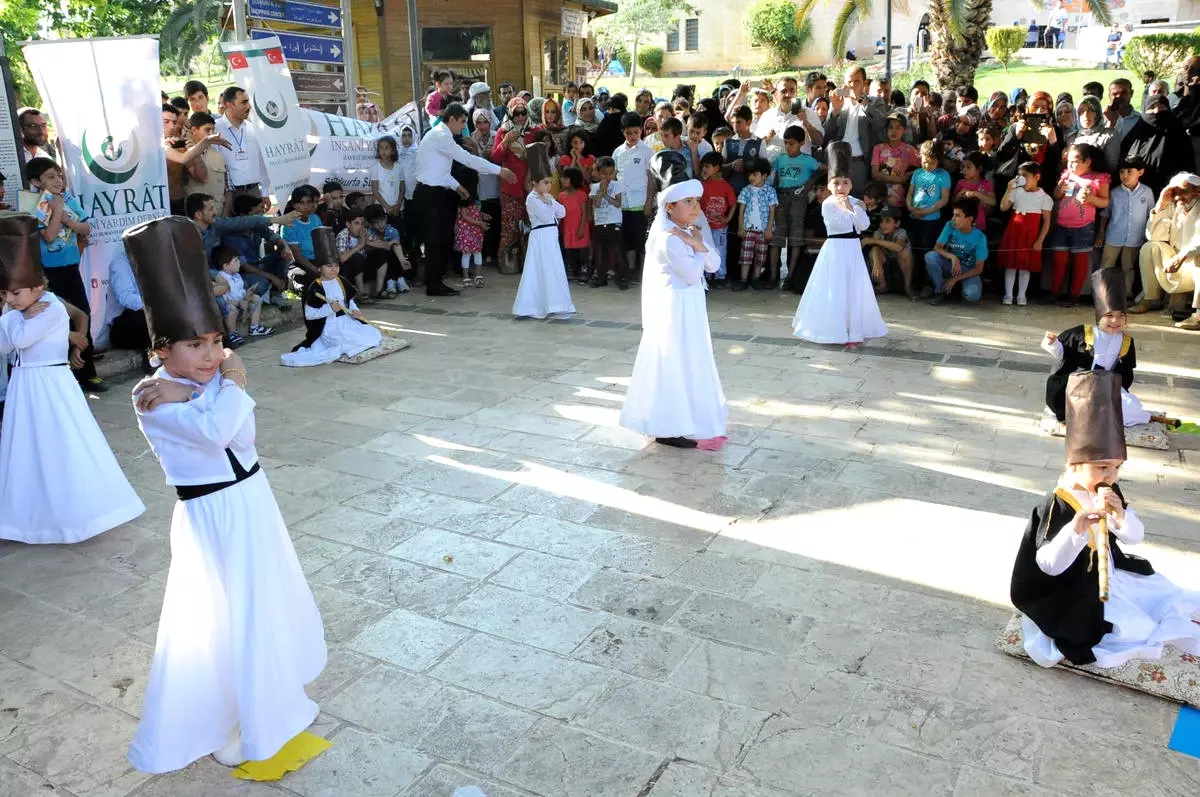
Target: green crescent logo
274	114
115	162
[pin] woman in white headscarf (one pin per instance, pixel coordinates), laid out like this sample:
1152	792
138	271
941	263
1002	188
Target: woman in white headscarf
675	393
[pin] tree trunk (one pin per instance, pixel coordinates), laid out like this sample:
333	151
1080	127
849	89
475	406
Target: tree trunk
955	58
633	63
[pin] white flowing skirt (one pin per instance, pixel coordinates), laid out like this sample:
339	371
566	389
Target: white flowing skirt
838	305
1132	410
544	289
675	390
59	480
1146	613
342	335
239	636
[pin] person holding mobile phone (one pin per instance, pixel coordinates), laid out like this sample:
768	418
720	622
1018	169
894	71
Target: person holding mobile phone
858	119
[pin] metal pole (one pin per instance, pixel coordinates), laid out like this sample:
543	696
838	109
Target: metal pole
348	61
887	42
239	20
414	56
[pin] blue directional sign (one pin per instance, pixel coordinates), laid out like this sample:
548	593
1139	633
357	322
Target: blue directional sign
305	47
312	14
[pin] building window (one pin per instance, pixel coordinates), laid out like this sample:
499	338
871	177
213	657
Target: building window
673	40
556	60
456	44
691	37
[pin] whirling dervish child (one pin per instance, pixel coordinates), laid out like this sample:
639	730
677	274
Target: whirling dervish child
1104	346
675	393
1082	597
59	480
838	305
543	290
333	321
240	634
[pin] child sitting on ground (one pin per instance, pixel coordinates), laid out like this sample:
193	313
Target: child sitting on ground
237	301
334	323
889	245
384	248
958	256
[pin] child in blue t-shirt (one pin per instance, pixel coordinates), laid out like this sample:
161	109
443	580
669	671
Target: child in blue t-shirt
928	193
61	223
958	256
794	173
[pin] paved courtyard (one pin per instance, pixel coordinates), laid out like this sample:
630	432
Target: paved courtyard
520	595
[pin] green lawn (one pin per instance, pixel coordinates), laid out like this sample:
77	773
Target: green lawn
989	78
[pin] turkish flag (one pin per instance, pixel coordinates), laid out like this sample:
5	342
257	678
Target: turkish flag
238	61
275	56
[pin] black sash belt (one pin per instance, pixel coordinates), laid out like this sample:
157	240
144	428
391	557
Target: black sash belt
187	492
544	226
845	235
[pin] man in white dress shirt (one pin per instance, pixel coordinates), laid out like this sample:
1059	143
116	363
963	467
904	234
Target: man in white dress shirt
244	168
437	193
778	118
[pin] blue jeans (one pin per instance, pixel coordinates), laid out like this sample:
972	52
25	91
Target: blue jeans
721	241
939	269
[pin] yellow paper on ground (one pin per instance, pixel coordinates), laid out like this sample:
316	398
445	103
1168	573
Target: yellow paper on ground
301	749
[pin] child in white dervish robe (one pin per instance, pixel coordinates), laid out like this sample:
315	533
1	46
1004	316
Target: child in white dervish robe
240	634
59	480
675	393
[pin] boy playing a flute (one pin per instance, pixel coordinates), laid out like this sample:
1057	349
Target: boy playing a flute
1079	601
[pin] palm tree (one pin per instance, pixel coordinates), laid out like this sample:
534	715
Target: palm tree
852	13
188	30
957	29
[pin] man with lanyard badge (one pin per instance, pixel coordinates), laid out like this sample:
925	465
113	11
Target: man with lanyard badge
243	161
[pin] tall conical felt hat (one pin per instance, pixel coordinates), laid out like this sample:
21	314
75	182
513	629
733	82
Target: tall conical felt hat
839	159
325	251
1095	423
168	262
20	253
667	167
537	155
1108	291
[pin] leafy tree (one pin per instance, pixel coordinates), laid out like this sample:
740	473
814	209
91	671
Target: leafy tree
1005	42
957	29
189	28
780	27
1160	53
22	20
637	21
651	59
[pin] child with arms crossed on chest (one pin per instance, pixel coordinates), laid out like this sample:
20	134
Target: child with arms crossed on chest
240	634
59	480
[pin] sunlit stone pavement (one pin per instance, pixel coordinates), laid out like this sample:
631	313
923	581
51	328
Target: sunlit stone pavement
520	595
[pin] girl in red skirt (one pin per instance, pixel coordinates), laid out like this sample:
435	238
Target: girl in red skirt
1021	246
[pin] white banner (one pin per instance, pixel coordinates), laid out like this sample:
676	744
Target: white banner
102	97
282	128
343	149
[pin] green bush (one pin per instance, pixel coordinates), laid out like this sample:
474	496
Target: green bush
773	24
650	58
1160	53
1005	42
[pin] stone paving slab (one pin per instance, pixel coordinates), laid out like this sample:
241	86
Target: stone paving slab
521	595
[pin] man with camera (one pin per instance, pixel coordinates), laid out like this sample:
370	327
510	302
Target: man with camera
860	120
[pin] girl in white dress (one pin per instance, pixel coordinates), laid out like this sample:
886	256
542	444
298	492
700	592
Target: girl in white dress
1072	606
675	393
59	480
240	634
543	290
334	323
838	305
